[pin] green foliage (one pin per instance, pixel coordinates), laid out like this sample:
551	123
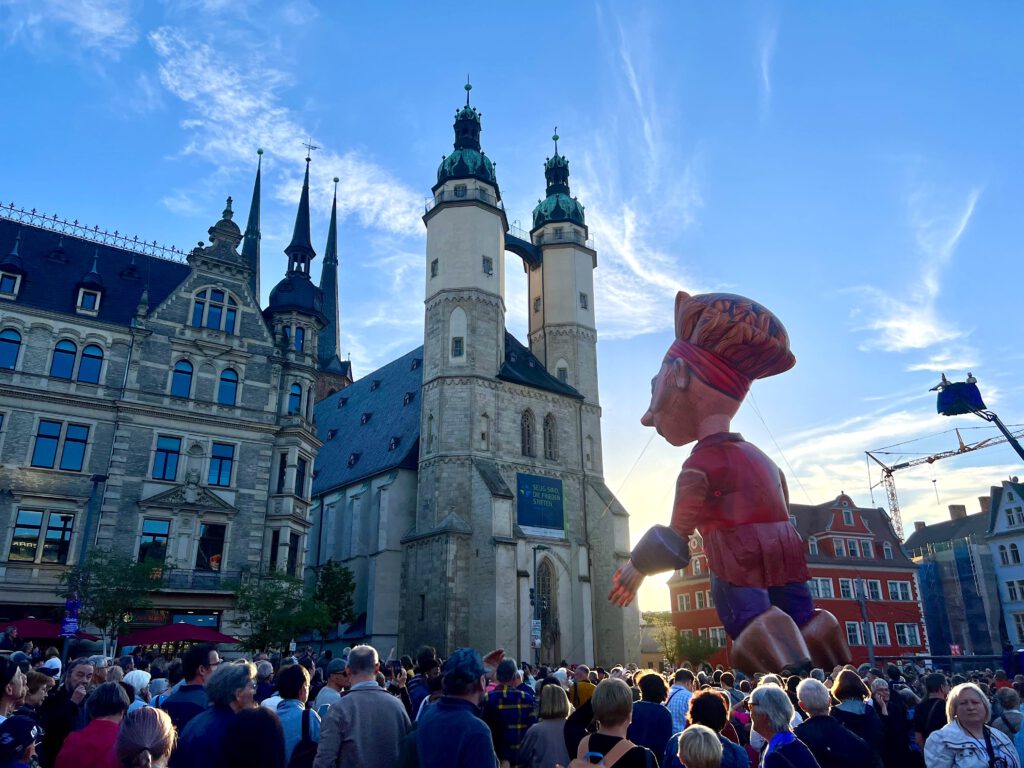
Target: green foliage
111	588
678	647
334	589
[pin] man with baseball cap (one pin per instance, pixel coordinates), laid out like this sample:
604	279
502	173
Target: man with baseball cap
450	733
12	687
337	681
19	736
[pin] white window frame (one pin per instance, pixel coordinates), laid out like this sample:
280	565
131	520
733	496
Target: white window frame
904	629
839	547
882	633
17	285
696	566
901	588
710	601
823	588
700	600
853	633
848	517
812	545
853	548
846	590
80	309
680	606
887	550
867	550
876	593
686	601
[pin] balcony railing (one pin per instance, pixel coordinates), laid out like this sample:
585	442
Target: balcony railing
461	196
202	581
567	235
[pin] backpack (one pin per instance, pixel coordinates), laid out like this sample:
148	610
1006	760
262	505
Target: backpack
305	751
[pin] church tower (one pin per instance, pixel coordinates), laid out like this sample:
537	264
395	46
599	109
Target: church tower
335	373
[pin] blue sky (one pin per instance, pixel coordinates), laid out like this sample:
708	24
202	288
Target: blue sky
855	168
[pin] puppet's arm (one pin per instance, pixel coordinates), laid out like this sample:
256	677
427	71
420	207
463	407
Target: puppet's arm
691	492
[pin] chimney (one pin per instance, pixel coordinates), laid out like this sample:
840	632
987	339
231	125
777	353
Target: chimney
919	525
985	502
957	511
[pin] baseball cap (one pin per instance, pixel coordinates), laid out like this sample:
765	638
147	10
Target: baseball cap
336	665
23	660
8	669
17	734
464	664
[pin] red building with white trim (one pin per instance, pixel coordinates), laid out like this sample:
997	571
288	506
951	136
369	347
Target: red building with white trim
850	550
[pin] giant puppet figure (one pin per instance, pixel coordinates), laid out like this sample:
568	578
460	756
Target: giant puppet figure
730	492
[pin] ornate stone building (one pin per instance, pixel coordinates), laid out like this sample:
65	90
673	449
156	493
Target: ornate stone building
467	473
150	406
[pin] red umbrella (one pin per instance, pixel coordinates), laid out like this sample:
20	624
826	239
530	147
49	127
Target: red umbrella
38	629
175	633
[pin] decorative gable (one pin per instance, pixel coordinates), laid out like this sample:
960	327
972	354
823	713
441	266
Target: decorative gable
189	496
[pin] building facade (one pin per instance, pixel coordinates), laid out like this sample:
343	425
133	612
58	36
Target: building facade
858	572
466	474
150	407
1006	544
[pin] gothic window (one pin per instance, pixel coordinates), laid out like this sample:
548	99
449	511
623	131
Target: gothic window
550	438
457	331
63	363
214	308
90	364
10	344
295	400
545	592
227	391
181	379
527	427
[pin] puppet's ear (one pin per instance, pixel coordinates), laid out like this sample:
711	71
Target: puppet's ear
678	373
681	298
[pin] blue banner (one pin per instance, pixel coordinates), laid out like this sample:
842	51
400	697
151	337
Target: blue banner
540	501
69	624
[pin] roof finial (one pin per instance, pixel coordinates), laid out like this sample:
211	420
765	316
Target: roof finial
228	213
555	139
469	87
310	148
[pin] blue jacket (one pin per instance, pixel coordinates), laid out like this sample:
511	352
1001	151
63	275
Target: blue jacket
733	755
451	735
199	745
651	726
184	704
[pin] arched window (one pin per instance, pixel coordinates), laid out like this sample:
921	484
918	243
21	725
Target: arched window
10	343
181	379
545	590
295	400
213	308
527	427
63	363
1014	554
812	545
550	438
227	392
90	364
1003	558
300	338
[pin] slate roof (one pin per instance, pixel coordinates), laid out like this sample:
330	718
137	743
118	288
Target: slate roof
997	499
815	521
522	367
51	284
948	530
340	425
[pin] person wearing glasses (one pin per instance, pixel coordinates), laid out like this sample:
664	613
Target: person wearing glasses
231	689
771	712
966	741
198	664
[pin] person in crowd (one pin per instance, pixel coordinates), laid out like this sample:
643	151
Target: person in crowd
19	738
1001	680
757	742
832	745
93	746
728	683
301	726
37	687
337	681
709	708
651	724
1011	719
146	739
612	702
230	690
139	681
115	674
679	698
12	687
100	665
63	709
427	667
449	734
253	739
930	714
264	680
274	698
543	746
197	666
966	741
9	640
896	726
366	726
510	709
582	689
700	747
771	713
853	712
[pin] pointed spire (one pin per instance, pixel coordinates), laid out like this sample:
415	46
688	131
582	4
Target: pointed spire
12	261
92	278
329	340
251	244
300	250
17	245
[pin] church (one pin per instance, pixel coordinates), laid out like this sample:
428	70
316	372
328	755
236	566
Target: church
462	483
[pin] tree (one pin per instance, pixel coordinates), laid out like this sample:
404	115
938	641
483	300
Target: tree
111	588
334	589
678	647
269	608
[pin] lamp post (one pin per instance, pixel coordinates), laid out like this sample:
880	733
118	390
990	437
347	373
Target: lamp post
535	599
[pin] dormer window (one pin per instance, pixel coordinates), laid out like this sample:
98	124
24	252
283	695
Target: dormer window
848	517
9	285
408	398
352	459
88	301
374	385
415	364
331	433
342	401
393	443
213	308
365	418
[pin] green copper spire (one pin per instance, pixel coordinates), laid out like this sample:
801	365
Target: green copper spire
251	243
300	250
329	339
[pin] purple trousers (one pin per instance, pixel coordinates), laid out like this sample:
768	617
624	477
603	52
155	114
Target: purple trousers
738	606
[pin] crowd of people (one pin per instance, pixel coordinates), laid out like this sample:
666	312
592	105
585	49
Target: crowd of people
198	710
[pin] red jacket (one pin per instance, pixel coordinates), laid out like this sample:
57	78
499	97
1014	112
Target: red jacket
91	747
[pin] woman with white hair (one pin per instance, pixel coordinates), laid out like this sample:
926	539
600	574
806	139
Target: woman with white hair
966	741
138	679
771	712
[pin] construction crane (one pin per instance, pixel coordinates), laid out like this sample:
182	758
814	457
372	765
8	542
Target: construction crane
955	398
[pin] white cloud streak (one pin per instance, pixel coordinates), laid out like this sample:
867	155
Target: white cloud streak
104	26
765	58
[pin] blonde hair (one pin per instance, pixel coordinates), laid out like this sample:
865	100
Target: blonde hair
146	735
699	747
953	700
554	704
612	702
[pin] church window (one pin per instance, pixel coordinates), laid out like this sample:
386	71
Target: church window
63	363
165	460
545	591
550	438
527	427
10	344
584	301
216	309
458	327
222	461
295	400
227	390
457	347
88	301
90	365
433	268
181	379
537	304
488	265
563	374
9	284
300	338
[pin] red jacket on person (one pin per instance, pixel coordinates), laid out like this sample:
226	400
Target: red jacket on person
91	747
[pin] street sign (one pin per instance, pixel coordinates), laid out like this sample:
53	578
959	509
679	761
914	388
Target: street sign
535	633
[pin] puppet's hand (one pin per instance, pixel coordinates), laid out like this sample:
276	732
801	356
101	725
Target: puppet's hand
626	582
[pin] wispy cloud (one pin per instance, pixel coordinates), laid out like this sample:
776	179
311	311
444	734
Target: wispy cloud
913	318
961	360
765	59
104	26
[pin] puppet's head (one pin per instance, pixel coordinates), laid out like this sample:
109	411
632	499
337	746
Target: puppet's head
723	342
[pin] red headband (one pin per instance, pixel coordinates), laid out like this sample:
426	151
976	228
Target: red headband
711	369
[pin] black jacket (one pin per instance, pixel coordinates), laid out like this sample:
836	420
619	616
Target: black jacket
833	745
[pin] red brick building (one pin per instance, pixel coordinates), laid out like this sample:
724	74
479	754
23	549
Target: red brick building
850	551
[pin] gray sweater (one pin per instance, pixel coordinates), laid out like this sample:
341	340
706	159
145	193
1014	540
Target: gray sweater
364	728
544	745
